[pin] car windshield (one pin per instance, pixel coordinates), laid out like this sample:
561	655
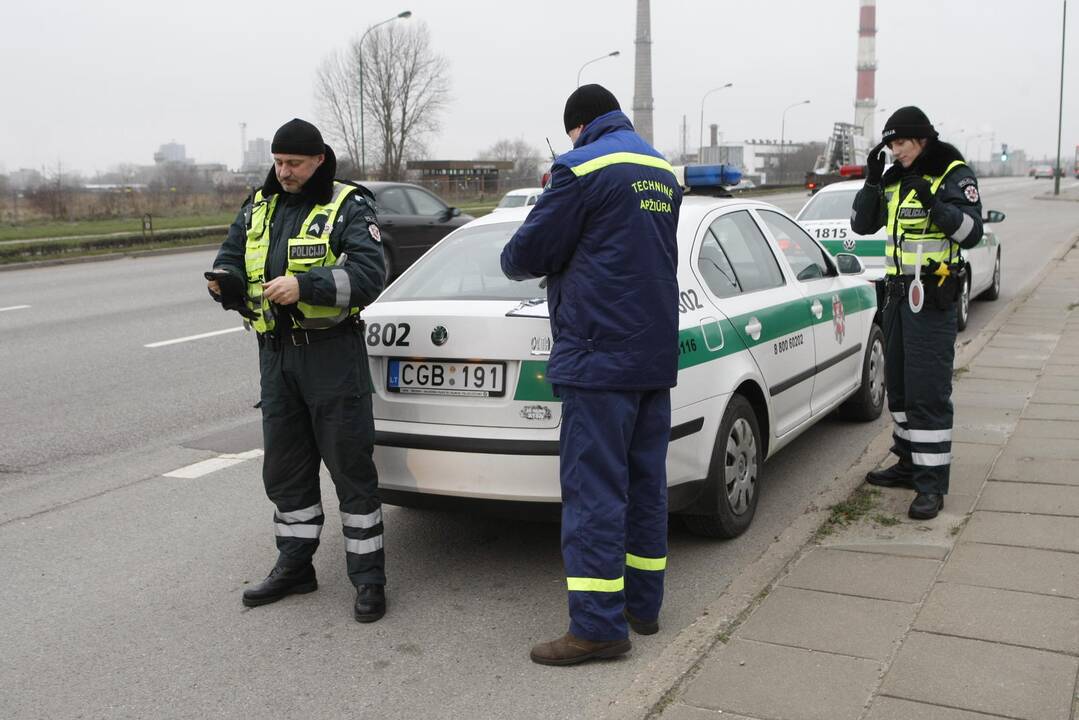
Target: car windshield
833	205
512	201
466	266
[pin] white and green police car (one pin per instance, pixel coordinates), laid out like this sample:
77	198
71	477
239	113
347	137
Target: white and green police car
772	338
826	216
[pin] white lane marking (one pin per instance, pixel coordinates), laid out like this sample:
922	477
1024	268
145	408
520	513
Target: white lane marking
14	307
163	343
205	467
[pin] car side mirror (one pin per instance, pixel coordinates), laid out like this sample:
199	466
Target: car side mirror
451	212
994	216
849	264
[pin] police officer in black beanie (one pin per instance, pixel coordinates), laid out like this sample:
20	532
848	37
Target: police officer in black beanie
301	260
603	234
929	202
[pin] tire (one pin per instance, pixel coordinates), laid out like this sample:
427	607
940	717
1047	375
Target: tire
734	474
868	402
993	292
962	310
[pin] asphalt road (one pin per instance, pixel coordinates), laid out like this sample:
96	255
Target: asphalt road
121	593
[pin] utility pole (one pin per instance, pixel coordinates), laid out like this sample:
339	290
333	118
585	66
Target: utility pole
1058	170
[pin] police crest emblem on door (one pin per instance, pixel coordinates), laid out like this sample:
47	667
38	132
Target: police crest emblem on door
839	319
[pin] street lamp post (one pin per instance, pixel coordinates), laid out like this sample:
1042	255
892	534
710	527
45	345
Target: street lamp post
1059	170
359	50
616	53
700	145
782	139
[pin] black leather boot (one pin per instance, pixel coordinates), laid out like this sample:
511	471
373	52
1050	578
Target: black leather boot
370	603
926	506
641	627
282	581
899	475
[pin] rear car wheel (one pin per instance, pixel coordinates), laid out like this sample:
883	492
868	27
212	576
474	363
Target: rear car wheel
868	402
962	311
733	474
993	291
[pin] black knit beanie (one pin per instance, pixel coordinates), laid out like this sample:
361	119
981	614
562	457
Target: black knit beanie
587	103
908	122
298	137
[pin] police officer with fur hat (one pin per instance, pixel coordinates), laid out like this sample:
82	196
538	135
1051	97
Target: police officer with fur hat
301	260
928	201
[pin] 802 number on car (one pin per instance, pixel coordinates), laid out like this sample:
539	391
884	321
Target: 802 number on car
395	334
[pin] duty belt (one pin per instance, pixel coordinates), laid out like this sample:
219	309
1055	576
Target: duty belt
298	338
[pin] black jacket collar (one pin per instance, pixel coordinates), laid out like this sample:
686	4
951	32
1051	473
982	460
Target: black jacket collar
318	188
934	161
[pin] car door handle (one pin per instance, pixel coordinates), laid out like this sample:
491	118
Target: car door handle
753	328
817	309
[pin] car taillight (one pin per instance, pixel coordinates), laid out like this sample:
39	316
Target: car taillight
852	171
811	185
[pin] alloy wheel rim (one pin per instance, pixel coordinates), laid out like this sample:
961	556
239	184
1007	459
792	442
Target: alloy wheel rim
876	373
740	466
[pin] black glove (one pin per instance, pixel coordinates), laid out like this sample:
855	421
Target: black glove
233	294
875	165
919	185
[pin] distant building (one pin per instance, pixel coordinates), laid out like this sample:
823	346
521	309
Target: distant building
25	179
257	156
459	177
172	153
760	160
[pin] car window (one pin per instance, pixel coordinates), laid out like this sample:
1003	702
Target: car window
392	200
512	201
735	257
835	205
425	203
807	259
465	265
532	199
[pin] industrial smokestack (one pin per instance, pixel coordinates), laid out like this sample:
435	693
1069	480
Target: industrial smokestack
642	80
865	98
713	130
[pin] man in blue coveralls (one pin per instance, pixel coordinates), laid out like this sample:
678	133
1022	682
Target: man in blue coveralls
603	233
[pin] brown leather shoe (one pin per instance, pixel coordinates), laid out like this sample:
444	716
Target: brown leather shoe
570	650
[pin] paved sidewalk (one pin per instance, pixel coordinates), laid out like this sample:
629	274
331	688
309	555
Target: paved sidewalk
971	616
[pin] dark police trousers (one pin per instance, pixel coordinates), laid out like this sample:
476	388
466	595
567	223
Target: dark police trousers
316	406
919	350
613	470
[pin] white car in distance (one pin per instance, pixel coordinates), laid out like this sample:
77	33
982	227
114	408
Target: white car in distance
522	197
772	338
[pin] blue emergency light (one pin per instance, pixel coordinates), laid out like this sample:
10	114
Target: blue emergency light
711	176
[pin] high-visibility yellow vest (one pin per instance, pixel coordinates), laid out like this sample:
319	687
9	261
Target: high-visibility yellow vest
309	249
909	228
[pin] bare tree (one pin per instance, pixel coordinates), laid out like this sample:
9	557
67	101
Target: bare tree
337	95
526	160
405	88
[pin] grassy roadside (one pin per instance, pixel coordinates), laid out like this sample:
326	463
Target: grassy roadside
21	252
112	225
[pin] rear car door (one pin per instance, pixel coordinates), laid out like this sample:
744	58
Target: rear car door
834	311
400	222
436	220
743	279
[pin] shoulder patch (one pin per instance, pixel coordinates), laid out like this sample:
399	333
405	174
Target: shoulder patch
971	193
966	181
376	234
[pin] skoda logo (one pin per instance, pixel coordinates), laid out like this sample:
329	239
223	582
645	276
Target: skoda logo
439	336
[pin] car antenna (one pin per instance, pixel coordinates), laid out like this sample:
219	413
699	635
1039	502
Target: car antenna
553	156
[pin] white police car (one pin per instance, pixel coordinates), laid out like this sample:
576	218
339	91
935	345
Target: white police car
772	339
826	216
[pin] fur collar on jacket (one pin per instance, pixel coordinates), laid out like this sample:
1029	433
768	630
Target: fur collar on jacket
318	188
934	160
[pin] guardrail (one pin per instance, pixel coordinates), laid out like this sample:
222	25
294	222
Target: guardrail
13	251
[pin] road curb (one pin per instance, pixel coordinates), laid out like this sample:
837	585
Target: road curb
108	256
661	680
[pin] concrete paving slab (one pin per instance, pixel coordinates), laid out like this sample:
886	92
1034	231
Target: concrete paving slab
1036	411
681	711
1005	616
992	373
889	708
1056	397
884	577
1058	370
1023	530
983	425
1036	470
932	552
957	504
1014	568
1009	359
992	387
1059	383
1005	401
970	466
1047	429
783	683
1030	497
840	624
984	677
1042	448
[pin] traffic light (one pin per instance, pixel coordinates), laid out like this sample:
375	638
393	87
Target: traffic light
1004	152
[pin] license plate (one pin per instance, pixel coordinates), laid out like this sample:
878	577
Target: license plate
464	379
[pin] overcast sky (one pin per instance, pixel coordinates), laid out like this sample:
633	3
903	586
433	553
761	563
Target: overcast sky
93	84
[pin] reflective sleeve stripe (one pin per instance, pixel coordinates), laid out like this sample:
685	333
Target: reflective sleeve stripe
361	521
965	229
622	157
642	563
301	515
344	287
929	436
931	459
899	417
363	547
900	432
310	532
579	584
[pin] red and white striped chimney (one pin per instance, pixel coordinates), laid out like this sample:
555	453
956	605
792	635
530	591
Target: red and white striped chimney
865	99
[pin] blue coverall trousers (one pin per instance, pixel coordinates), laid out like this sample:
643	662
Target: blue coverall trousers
614	506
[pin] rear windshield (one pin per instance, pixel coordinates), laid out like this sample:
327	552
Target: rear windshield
465	266
511	201
834	205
